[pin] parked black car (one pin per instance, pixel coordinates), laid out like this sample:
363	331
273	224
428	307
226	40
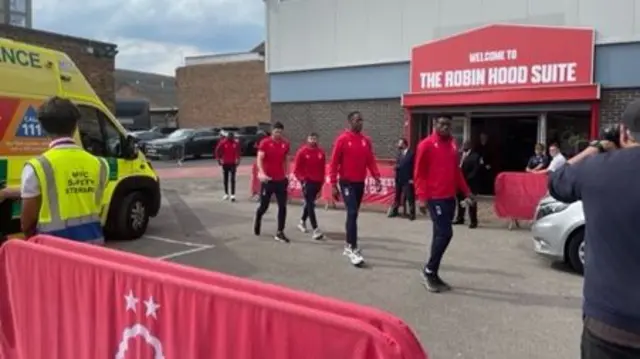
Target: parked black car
142	138
249	137
184	143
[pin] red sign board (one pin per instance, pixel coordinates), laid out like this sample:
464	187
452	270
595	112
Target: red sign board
504	57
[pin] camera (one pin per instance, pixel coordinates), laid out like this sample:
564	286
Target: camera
611	133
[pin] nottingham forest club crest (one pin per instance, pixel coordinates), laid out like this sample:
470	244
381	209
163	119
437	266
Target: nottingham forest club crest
132	304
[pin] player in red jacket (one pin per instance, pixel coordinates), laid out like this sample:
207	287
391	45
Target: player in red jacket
437	179
309	168
352	156
272	162
228	153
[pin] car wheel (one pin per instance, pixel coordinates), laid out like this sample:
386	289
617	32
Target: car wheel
134	218
576	250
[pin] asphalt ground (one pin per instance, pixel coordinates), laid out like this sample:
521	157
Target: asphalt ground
507	303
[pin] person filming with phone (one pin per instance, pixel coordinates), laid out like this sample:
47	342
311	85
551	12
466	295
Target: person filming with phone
606	178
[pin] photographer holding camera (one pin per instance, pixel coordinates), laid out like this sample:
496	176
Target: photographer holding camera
606	178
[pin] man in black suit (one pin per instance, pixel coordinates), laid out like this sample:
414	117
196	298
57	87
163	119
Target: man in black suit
404	181
471	164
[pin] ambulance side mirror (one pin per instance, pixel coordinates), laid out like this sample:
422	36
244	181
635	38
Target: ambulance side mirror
130	149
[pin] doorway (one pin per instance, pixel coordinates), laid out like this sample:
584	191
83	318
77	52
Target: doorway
510	143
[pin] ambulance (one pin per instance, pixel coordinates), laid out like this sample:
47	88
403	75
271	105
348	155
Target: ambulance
29	75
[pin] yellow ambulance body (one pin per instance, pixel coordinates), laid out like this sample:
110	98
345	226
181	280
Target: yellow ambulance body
29	75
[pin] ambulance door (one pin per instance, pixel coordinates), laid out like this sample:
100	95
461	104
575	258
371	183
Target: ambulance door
100	137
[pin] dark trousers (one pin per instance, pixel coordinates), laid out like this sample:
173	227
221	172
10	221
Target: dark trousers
441	212
473	210
406	191
6	209
352	193
593	347
279	189
310	190
229	175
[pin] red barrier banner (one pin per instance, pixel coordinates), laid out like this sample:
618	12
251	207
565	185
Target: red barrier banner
384	322
384	197
60	305
518	194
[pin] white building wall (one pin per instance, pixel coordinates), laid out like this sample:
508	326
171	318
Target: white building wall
222	58
312	34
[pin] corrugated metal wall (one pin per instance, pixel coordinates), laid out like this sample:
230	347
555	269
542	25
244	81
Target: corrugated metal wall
312	34
616	67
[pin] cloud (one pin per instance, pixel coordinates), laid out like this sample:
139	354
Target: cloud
155	35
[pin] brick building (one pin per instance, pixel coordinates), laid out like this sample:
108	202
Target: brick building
227	89
95	59
158	90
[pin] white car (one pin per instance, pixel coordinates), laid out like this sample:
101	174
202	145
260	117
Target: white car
558	232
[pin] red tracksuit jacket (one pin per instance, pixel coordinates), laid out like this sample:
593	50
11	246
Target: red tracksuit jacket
437	174
228	151
351	157
309	164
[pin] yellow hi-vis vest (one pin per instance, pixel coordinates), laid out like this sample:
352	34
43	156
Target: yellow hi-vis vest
72	183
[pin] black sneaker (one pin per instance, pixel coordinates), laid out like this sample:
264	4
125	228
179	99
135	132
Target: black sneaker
281	237
458	221
412	217
442	284
434	283
473	225
430	282
257	224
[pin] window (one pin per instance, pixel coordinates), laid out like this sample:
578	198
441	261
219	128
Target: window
18	20
182	133
249	130
98	134
113	137
90	131
204	134
18	6
147	136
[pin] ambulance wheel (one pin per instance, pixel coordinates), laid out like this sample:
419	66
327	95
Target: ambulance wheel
134	218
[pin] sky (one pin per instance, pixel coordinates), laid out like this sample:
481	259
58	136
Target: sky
156	35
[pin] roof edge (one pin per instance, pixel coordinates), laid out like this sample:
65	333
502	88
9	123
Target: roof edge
58	35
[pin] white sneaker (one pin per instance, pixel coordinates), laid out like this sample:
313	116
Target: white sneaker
225	197
317	234
233	198
354	255
302	227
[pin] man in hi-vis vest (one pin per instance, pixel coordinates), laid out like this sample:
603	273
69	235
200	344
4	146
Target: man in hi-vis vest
62	189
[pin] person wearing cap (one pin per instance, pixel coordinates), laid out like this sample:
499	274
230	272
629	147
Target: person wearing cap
605	177
62	189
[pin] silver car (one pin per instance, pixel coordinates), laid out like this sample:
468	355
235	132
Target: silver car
558	232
